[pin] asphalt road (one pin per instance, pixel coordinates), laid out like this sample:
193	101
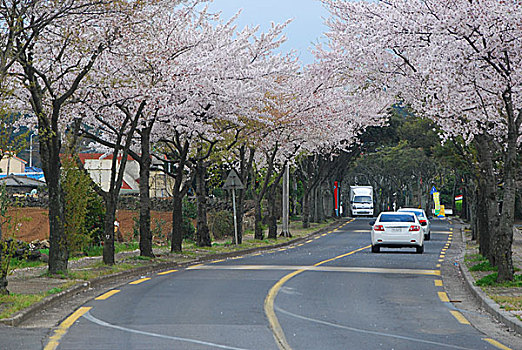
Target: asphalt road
327	293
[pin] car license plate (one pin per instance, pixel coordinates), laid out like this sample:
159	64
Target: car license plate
396	229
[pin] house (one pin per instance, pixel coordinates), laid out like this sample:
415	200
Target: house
99	165
22	184
160	184
12	164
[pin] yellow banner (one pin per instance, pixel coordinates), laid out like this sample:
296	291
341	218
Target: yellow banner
436	199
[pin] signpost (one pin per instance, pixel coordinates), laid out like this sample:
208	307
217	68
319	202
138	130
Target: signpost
233	182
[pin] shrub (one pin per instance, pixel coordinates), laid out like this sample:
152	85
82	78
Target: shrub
95	217
84	208
221	224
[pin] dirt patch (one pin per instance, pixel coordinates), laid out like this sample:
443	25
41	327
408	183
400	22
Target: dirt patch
33	223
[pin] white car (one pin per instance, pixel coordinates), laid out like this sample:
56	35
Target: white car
423	219
395	230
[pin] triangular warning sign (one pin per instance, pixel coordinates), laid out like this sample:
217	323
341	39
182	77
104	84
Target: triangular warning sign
233	181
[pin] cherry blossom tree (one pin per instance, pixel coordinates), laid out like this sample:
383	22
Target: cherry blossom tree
133	91
456	62
56	45
228	76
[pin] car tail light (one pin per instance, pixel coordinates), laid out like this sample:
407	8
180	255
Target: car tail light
414	228
423	222
378	228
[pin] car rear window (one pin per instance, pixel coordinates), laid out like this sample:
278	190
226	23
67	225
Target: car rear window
418	213
396	218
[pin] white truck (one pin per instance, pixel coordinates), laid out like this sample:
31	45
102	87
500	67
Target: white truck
361	200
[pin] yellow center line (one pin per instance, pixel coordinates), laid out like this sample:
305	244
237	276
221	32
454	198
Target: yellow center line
107	295
54	341
141	280
342	256
438	283
166	272
496	344
459	317
194	266
270	298
310	240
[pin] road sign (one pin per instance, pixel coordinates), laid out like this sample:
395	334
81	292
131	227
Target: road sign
233	182
433	190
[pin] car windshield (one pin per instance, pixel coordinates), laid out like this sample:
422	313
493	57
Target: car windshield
420	214
362	199
396	218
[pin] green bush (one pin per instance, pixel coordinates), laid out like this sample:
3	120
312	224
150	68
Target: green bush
221	224
95	217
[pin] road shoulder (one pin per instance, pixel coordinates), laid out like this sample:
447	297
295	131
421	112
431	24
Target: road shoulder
458	284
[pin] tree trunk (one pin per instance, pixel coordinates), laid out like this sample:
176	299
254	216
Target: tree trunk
258	219
245	171
203	232
177	218
50	155
272	214
306	209
314	210
504	239
321	216
108	238
145	162
488	221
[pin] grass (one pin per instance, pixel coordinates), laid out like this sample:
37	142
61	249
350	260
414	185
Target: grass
97	250
474	258
20	264
509	303
12	303
483	266
491	281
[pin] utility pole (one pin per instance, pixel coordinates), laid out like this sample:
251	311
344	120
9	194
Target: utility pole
31	150
286	202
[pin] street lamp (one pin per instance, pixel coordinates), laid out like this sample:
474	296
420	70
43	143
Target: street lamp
31	150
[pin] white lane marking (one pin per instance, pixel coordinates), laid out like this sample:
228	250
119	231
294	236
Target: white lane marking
319	268
105	324
358	330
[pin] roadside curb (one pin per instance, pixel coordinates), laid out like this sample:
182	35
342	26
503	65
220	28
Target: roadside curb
53	299
483	299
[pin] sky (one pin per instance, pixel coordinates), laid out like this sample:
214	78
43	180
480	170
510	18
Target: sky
307	26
